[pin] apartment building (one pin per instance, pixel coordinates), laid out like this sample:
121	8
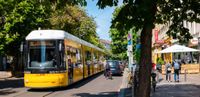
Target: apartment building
194	29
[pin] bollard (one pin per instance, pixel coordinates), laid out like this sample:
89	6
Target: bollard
185	75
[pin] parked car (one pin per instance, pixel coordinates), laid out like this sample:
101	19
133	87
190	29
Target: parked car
115	67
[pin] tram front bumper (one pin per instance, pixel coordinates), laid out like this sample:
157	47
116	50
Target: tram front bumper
45	80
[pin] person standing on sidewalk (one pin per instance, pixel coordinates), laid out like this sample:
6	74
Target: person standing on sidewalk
176	71
168	68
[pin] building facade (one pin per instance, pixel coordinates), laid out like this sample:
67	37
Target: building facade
164	41
194	29
160	41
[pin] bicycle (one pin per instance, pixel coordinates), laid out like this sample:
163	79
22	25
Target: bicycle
108	74
153	82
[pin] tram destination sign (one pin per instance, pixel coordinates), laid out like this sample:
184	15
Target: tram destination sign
41	43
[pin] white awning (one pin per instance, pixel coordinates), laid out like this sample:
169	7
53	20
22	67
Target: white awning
177	48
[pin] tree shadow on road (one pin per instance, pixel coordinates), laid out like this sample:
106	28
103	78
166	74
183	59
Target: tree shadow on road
11	83
103	94
177	90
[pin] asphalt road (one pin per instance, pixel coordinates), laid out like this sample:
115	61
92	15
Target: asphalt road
96	86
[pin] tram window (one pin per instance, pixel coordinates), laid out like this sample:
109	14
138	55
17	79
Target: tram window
78	59
95	58
42	56
75	56
88	57
78	55
69	58
101	59
42	59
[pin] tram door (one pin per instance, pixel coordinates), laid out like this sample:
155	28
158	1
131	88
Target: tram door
70	71
88	66
88	61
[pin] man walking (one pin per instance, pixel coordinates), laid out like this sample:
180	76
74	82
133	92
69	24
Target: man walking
168	68
176	71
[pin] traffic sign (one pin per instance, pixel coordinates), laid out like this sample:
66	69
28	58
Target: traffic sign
129	42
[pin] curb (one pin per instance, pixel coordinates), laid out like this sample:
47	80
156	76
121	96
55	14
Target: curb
5	74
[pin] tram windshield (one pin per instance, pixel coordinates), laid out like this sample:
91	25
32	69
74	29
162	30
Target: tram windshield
42	55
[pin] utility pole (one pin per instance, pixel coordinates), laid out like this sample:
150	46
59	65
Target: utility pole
130	57
130	49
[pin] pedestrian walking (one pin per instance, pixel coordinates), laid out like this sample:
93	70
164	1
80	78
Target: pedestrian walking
153	75
108	72
176	71
168	69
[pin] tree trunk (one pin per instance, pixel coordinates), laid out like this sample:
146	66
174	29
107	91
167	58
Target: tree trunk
145	63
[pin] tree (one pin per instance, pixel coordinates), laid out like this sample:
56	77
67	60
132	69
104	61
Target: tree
20	17
144	14
119	44
74	19
119	40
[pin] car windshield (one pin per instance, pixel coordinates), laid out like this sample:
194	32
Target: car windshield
42	54
113	63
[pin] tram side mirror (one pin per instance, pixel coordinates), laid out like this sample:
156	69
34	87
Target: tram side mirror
60	46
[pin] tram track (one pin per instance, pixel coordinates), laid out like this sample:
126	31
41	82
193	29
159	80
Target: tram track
51	92
35	93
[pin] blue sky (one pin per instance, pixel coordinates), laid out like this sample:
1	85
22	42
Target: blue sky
102	17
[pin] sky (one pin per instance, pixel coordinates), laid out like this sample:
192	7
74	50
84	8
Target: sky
102	17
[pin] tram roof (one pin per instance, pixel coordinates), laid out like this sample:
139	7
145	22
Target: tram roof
57	34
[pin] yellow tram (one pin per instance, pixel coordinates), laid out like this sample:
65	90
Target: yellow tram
56	58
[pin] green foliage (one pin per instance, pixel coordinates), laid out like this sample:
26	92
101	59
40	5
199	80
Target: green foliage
74	20
144	14
19	17
160	61
177	12
119	43
119	39
22	17
133	13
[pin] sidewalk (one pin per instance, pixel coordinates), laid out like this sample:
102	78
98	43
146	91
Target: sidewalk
188	88
185	88
5	74
125	88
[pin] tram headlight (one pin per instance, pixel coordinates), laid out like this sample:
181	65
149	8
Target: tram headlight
26	81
